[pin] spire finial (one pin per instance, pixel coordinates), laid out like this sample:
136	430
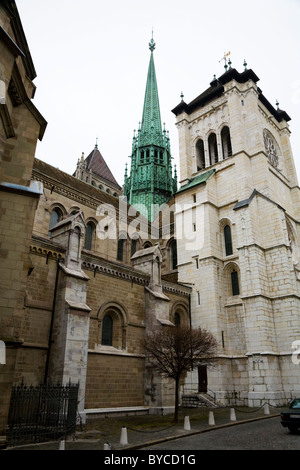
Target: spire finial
181	96
152	43
277	105
96	146
245	64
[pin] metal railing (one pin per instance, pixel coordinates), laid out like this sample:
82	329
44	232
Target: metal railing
41	413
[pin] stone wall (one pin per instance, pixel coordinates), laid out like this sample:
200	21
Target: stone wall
20	127
257	198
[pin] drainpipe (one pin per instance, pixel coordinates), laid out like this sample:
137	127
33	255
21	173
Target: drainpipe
190	311
52	321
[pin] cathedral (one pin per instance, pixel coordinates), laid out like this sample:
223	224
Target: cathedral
90	266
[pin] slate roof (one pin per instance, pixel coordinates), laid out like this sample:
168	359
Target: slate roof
42	169
98	165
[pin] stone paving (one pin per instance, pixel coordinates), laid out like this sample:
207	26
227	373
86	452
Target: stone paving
134	432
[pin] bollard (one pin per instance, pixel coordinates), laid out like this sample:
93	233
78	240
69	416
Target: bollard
211	418
187	425
232	414
124	440
266	409
61	445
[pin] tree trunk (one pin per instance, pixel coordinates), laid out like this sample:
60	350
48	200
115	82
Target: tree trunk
176	400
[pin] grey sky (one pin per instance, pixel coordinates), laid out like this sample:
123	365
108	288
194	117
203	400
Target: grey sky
92	58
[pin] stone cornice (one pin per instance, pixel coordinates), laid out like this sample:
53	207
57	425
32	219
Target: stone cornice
43	247
65	190
177	289
128	274
87	199
271	298
112	269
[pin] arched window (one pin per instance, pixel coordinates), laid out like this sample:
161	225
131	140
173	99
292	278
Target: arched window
226	142
133	246
121	245
120	249
228	241
173	253
56	216
213	149
89	236
134	243
107	331
176	319
200	156
235	283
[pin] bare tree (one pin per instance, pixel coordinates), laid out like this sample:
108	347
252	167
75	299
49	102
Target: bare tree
173	351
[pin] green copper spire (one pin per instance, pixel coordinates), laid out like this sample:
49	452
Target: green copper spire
151	121
150	183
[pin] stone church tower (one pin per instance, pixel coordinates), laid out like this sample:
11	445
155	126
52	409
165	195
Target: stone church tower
239	181
150	182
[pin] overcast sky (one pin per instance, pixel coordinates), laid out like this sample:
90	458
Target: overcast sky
92	58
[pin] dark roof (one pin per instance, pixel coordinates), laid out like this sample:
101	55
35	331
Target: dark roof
216	90
97	164
56	175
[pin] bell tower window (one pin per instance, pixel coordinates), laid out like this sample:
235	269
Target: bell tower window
226	142
213	149
200	155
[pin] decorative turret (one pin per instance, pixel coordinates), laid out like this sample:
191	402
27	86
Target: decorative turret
150	183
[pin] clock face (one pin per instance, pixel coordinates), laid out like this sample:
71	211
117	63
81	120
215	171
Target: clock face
271	148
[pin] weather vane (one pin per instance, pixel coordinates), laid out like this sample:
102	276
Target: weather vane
225	59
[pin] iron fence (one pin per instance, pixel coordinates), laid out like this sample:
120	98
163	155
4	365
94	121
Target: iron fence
41	413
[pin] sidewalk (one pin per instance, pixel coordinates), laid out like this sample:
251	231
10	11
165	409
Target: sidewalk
140	431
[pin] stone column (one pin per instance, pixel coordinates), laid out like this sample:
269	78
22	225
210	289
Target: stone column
158	391
69	349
